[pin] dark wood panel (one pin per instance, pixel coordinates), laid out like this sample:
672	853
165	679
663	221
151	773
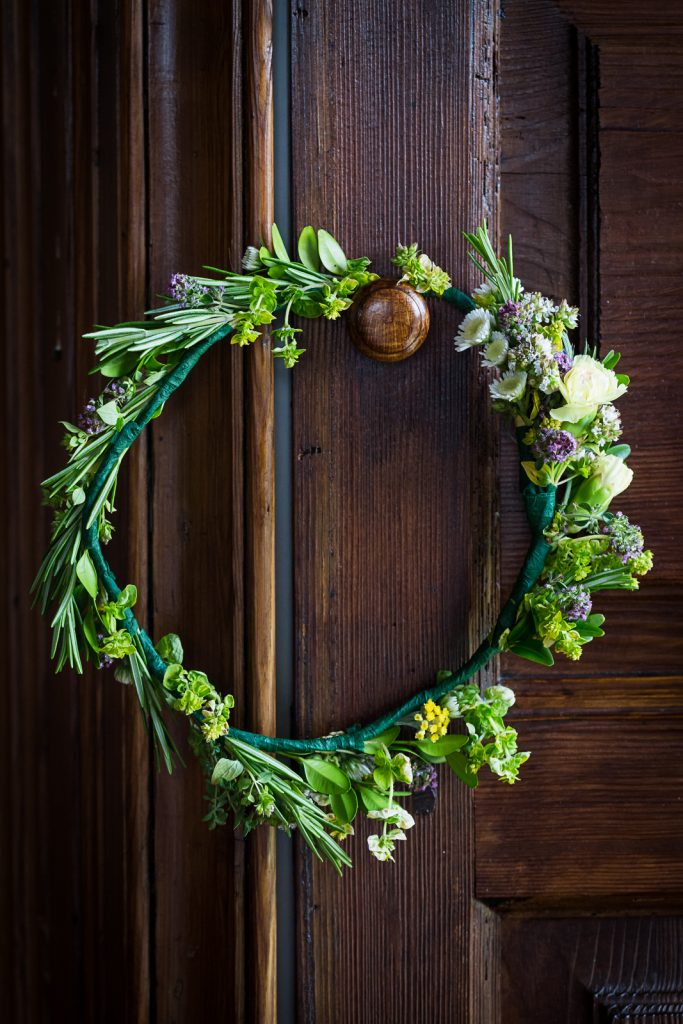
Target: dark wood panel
593	971
393	134
194	118
597	813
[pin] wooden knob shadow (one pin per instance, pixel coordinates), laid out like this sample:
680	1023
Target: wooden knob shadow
388	320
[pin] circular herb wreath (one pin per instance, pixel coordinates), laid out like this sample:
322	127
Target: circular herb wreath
561	405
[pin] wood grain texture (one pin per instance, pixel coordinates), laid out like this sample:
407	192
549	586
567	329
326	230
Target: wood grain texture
392	527
260	537
590	143
593	971
195	476
75	933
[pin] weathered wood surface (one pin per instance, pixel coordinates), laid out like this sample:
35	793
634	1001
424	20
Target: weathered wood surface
116	901
391	577
591	137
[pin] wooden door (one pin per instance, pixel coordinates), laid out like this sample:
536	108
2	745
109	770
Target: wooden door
132	133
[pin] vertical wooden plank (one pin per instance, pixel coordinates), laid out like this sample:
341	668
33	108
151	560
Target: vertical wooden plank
195	476
260	552
393	140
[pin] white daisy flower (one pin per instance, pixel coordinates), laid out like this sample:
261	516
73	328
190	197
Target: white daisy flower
496	350
510	387
474	330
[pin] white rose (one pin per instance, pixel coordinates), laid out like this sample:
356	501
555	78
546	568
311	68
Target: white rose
586	386
474	330
610	477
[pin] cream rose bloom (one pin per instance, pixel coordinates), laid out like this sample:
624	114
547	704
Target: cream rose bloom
610	477
585	387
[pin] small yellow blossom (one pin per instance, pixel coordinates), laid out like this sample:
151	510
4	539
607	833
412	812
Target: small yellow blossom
433	721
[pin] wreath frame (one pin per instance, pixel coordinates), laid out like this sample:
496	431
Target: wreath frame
157	671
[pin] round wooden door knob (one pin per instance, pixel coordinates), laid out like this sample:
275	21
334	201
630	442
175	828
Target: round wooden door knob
389	320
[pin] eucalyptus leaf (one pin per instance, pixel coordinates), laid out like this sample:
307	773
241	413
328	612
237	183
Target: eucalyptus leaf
332	256
87	574
324	777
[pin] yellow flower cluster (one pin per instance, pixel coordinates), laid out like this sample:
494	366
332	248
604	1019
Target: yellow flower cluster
433	722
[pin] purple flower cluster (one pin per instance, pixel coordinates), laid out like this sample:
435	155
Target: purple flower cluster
508	311
626	541
88	421
564	362
425	776
118	391
105	660
578	604
187	292
554	445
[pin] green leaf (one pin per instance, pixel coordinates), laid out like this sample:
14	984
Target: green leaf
324	777
611	359
344	806
77	496
170	648
279	245
383	776
118	366
109	413
371	799
442	747
384	740
457	762
308	249
623	378
85	570
307	307
622	451
172	676
127	597
90	629
226	770
332	255
533	650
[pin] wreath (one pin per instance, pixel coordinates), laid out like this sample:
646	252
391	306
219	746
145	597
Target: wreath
561	406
